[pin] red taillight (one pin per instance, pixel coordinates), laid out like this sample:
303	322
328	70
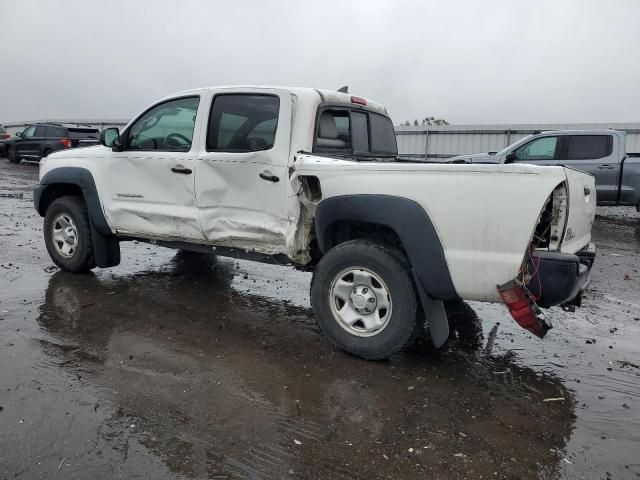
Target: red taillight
4	135
66	143
523	311
358	100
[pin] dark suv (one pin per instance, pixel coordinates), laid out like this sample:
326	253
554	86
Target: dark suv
39	140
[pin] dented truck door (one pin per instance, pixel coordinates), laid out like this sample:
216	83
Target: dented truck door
241	171
148	186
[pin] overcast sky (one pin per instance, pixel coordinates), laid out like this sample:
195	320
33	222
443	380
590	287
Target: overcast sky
511	61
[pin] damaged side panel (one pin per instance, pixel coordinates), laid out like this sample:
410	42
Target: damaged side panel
141	195
244	198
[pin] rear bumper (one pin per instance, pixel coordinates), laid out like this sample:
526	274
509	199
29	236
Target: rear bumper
560	278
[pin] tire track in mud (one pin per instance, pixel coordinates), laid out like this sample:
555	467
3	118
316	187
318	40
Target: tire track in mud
280	459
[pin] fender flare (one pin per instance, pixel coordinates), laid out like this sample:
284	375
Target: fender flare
106	245
408	220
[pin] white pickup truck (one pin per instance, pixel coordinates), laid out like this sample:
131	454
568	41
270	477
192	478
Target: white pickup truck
311	178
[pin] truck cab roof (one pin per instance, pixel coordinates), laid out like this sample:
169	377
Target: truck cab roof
305	93
603	131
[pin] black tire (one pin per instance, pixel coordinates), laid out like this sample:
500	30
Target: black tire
46	153
390	265
12	155
81	259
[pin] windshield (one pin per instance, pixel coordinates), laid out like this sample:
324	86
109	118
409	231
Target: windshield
515	145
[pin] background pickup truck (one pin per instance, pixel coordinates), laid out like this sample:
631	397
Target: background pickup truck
599	152
39	140
311	178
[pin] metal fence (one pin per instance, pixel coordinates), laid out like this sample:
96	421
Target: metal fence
430	143
434	143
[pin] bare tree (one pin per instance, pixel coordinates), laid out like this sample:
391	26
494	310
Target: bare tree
429	121
426	122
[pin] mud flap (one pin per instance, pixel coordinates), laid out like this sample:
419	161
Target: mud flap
106	249
436	316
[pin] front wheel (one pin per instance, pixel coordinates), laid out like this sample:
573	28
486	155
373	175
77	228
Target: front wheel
12	155
67	234
364	299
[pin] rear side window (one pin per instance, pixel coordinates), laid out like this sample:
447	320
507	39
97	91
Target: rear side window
242	123
40	131
584	147
55	132
2	130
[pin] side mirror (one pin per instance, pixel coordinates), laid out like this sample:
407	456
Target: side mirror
511	157
109	137
18	134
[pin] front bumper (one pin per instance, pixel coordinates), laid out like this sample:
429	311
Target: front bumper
560	278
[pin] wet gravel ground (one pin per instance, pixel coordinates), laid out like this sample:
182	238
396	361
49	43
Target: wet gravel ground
177	365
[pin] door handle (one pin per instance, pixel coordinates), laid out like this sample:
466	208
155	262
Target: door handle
606	167
181	169
270	178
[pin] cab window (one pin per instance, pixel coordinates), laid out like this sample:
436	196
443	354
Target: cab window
584	147
543	148
167	127
242	123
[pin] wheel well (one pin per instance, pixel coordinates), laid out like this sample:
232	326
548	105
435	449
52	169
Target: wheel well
343	231
56	191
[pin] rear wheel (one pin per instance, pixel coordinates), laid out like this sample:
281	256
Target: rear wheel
67	234
364	299
12	155
46	153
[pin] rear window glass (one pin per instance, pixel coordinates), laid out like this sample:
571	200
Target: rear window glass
40	131
1	129
582	147
383	137
360	132
355	132
243	123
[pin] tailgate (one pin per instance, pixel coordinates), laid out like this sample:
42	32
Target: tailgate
582	210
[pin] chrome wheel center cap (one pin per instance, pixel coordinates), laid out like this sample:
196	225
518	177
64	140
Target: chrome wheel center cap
363	299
